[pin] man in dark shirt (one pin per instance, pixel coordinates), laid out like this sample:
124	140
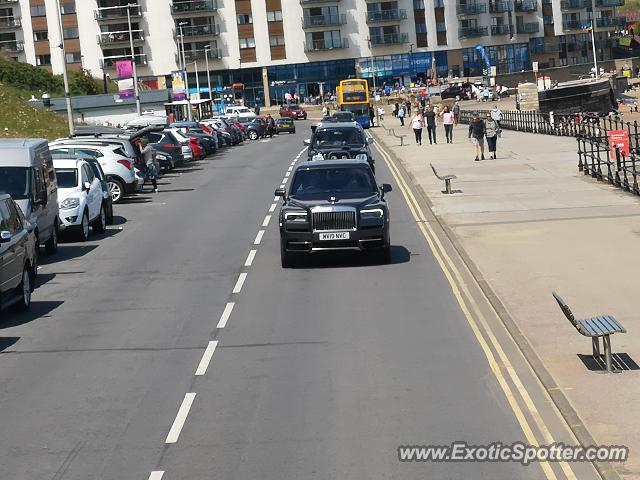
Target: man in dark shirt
430	121
476	134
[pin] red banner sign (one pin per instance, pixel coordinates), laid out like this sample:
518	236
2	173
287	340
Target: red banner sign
618	139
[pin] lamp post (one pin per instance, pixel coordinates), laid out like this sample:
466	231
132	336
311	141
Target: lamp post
133	61
373	76
413	70
207	50
195	64
65	77
186	72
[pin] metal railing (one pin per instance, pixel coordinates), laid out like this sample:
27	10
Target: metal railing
310	21
10	22
526	5
109	38
499	29
207	30
471	32
323	45
390	39
574	4
471	8
194	6
529	27
598	159
499	6
113	13
386	15
610	3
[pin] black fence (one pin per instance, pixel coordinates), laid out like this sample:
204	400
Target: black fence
580	126
615	168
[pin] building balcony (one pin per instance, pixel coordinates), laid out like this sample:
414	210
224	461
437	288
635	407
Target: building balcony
121	37
499	29
472	32
194	7
311	2
8	2
471	8
610	22
106	14
311	21
390	39
526	6
12	46
190	32
386	16
110	62
324	45
194	55
10	23
537	48
575	4
528	27
609	3
572	24
499	7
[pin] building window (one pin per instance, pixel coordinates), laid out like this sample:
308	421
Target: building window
247	42
275	16
276	40
70	33
244	18
66	8
41	35
38	11
421	28
73	57
43	60
418	4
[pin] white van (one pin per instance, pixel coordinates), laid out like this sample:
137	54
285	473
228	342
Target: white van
238	111
27	174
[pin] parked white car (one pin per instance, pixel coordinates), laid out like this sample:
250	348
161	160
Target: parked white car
79	197
118	168
238	111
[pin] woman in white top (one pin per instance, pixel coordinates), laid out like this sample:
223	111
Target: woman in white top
417	124
448	119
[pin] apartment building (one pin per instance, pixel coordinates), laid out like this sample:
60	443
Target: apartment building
280	45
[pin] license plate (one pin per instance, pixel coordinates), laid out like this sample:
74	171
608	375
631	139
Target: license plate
334	236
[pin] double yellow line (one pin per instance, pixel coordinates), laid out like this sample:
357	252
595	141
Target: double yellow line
471	311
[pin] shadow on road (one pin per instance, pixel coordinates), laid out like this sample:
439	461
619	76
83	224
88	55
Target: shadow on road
399	255
44	278
38	310
67	252
6	342
134	200
172	190
118	220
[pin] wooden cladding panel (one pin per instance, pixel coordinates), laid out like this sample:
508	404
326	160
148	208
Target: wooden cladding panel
273	5
243	6
39	23
278	52
276	28
248	54
245	31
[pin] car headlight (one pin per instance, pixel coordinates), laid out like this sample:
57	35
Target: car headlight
295	216
159	156
362	156
372	214
71	202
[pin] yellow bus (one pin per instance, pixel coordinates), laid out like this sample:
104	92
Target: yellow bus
353	96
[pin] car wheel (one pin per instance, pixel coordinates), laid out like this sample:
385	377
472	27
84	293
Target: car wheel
287	259
83	233
253	135
100	223
51	245
116	189
24	290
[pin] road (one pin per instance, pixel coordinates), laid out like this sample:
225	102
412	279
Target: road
175	343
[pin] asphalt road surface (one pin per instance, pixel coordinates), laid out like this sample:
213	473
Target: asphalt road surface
175	343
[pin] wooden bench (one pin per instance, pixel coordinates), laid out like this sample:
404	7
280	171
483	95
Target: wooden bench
446	178
594	327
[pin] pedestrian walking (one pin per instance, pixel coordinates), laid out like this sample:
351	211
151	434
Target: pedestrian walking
456	112
381	113
152	168
408	106
372	115
401	113
496	114
448	120
492	130
417	124
325	111
430	121
476	135
257	110
271	125
396	109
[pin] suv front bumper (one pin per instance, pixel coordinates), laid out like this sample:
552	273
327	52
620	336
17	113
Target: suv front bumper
362	239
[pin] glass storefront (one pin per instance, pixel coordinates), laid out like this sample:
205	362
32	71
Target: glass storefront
391	69
506	59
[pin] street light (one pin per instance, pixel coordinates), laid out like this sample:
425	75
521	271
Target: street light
65	78
133	60
207	49
413	70
186	72
373	75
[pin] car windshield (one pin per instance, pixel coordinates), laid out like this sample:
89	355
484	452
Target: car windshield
67	177
243	110
16	181
338	137
294	107
317	183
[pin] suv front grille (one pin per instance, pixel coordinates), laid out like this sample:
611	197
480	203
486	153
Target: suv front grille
325	221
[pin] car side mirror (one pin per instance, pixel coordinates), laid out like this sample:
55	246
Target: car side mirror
5	236
306	142
87	186
370	140
386	188
280	193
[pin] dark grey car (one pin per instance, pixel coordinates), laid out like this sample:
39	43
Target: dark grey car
340	140
334	205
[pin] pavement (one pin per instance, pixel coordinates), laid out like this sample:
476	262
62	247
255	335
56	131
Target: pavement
528	224
174	346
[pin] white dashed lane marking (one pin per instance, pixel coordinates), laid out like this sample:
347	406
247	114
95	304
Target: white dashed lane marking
266	221
181	417
273	207
157	475
224	318
250	257
258	239
241	278
206	358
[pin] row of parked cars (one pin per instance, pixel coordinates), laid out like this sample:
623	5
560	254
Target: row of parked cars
69	186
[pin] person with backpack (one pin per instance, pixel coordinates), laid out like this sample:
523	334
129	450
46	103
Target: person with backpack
476	135
492	131
401	113
152	168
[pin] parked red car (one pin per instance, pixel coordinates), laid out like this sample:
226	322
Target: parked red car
293	111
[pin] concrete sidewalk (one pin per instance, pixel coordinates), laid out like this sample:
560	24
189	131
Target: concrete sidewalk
531	224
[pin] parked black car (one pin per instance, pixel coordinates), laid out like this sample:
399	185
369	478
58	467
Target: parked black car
194	129
340	140
334	205
18	256
254	127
